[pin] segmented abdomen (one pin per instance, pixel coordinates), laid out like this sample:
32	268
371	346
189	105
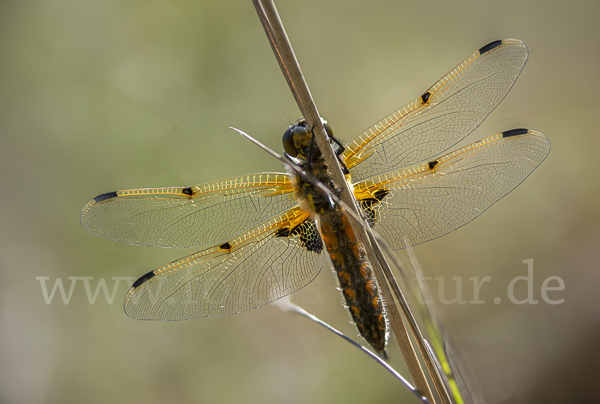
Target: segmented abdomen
356	278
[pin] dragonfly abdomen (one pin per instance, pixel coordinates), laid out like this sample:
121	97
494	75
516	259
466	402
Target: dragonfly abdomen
356	279
354	272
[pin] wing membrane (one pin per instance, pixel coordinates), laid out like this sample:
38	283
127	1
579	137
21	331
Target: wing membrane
432	199
264	264
188	217
442	116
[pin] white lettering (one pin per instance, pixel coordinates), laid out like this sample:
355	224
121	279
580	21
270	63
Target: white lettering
529	280
476	286
458	298
546	288
59	285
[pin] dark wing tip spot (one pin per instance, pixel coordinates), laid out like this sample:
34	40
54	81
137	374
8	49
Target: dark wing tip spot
104	197
225	246
432	164
187	191
515	132
489	47
425	97
143	279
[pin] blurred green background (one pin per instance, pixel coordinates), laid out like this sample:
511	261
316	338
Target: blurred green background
102	95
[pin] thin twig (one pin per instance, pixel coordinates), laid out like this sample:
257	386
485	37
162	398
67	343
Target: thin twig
285	304
293	75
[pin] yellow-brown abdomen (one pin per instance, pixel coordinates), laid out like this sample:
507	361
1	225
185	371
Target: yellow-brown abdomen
355	275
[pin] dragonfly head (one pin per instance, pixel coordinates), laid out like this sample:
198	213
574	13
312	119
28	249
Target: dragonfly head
297	139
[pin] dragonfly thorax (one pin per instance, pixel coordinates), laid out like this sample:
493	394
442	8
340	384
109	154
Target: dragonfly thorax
299	145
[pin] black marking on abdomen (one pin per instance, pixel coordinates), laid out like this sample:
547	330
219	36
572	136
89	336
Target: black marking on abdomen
515	132
143	279
104	197
489	46
187	191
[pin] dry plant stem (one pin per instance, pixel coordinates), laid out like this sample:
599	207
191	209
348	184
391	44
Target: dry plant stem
410	319
378	242
291	70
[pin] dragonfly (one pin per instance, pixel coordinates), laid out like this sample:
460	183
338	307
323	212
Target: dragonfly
265	235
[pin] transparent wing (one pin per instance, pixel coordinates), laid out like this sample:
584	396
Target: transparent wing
188	217
264	264
442	116
429	200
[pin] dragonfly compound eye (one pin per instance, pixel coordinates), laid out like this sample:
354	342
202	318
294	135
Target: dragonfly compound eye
296	138
288	142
